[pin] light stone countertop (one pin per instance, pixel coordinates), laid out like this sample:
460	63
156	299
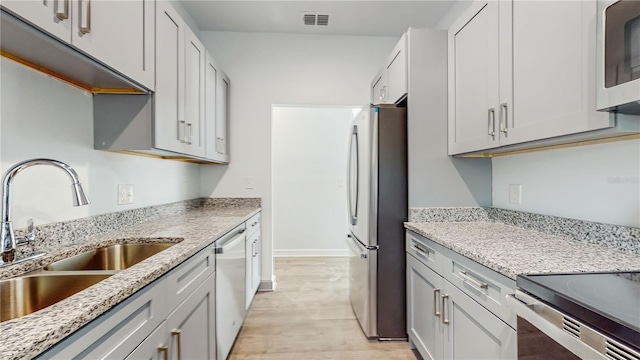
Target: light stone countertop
511	250
30	335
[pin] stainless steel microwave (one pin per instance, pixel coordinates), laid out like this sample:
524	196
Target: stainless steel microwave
618	62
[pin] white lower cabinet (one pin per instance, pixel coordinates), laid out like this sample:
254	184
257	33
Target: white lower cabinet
153	347
175	315
445	322
192	325
253	254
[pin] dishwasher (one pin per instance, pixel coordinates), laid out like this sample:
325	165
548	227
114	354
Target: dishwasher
230	289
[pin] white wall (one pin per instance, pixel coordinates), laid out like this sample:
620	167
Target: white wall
43	117
598	183
309	153
268	69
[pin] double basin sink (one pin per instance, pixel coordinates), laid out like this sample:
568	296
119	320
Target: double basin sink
57	281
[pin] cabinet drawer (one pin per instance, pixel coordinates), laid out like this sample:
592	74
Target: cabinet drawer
425	250
487	287
253	224
117	332
184	279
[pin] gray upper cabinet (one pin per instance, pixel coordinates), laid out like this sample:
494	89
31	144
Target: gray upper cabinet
522	72
191	127
186	118
118	34
216	111
390	85
169	119
179	97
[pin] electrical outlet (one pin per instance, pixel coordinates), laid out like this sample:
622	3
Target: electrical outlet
184	188
341	182
125	194
248	182
515	194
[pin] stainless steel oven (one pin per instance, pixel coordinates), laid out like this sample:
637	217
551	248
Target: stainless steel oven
618	62
578	316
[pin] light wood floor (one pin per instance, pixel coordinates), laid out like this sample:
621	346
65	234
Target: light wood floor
309	317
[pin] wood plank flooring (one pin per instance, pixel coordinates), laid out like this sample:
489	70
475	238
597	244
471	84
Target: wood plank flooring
309	317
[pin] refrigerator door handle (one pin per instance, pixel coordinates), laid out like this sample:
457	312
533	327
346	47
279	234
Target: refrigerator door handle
353	146
355	247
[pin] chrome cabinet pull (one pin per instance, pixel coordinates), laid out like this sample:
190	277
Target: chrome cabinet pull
177	333
491	119
465	276
504	109
87	17
435	302
64	15
420	250
188	138
165	350
182	124
444	312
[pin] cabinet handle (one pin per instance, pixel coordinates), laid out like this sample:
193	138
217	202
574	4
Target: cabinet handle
435	302
176	333
444	312
188	138
182	124
420	249
87	16
491	119
504	109
64	15
465	276
165	350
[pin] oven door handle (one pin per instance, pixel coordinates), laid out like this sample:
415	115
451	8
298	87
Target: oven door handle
550	321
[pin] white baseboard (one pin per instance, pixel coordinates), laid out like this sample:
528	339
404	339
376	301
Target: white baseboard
309	253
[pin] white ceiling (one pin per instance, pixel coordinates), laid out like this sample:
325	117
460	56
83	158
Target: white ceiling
355	17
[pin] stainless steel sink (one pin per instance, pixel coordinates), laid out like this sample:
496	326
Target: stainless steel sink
27	294
113	257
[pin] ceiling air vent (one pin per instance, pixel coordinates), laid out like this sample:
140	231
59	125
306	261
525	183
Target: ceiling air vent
315	19
323	20
309	19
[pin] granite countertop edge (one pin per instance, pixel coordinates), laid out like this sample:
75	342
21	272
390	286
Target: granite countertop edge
192	231
511	250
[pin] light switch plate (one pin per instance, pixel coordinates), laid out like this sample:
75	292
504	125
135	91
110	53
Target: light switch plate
515	194
248	182
125	194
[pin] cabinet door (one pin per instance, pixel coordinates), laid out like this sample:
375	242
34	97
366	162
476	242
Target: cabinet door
153	347
424	313
52	16
256	270
473	79
119	34
554	70
472	331
169	129
192	325
379	88
222	115
397	72
195	55
210	126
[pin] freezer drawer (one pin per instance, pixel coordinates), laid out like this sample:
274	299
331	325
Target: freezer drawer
362	285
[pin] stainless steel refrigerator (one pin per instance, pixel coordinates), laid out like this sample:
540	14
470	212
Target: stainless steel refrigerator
377	201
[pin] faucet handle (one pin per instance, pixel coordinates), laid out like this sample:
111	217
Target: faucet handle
30	235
